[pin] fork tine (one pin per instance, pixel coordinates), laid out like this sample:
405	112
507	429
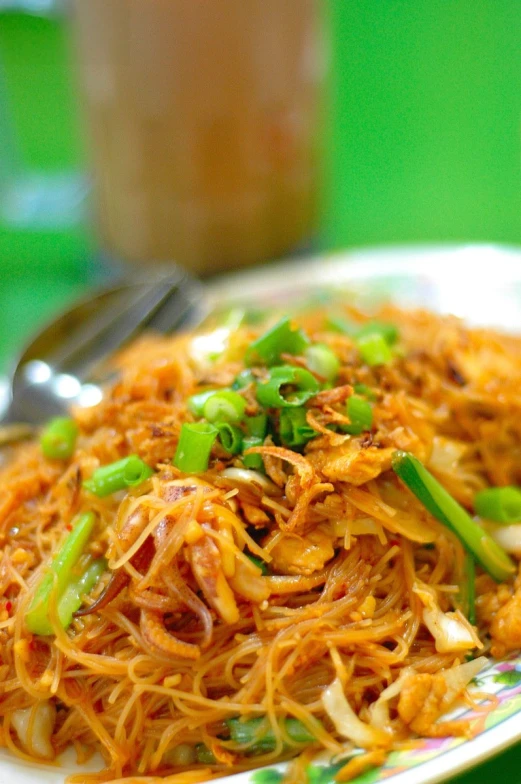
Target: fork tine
183	308
97	339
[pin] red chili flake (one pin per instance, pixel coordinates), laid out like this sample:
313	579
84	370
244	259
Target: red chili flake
32	645
68	527
8	606
394	543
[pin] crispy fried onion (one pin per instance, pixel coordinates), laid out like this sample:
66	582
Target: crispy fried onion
302	466
309	486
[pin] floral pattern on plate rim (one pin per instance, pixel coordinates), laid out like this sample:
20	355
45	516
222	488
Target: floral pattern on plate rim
500	680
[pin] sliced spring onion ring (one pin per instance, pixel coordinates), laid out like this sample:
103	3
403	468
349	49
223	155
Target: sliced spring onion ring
194	447
230	436
374	349
128	472
499	504
322	361
224	406
282	338
360	413
58	438
301	386
293	427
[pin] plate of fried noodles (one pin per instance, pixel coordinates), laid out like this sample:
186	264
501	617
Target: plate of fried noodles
284	546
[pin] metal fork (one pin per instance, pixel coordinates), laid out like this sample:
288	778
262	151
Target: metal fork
66	363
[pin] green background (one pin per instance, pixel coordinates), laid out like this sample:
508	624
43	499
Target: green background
423	145
423	137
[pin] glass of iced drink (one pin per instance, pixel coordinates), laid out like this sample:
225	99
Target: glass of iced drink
204	124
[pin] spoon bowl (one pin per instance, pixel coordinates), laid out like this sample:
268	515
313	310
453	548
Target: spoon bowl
66	362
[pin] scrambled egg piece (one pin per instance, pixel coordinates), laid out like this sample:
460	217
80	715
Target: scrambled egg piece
294	554
350	462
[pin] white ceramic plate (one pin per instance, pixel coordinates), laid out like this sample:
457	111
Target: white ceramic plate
483	285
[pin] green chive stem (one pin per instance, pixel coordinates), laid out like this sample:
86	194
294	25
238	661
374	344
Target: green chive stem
59	574
446	509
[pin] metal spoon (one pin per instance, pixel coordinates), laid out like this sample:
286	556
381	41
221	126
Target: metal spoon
65	363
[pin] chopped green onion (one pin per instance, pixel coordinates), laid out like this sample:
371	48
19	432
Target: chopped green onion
232	318
128	472
259	564
280	339
196	402
224	406
59	575
342	325
254	461
446	509
194	447
230	437
322	361
257	425
360	413
58	439
258	733
293	427
499	504
374	349
204	755
244	379
389	332
301	386
80	586
363	389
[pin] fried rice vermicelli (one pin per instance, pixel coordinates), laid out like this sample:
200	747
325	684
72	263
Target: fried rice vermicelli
291	596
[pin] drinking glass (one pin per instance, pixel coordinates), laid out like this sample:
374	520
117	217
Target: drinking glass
204	122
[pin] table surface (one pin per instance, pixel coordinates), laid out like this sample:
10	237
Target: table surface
423	146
